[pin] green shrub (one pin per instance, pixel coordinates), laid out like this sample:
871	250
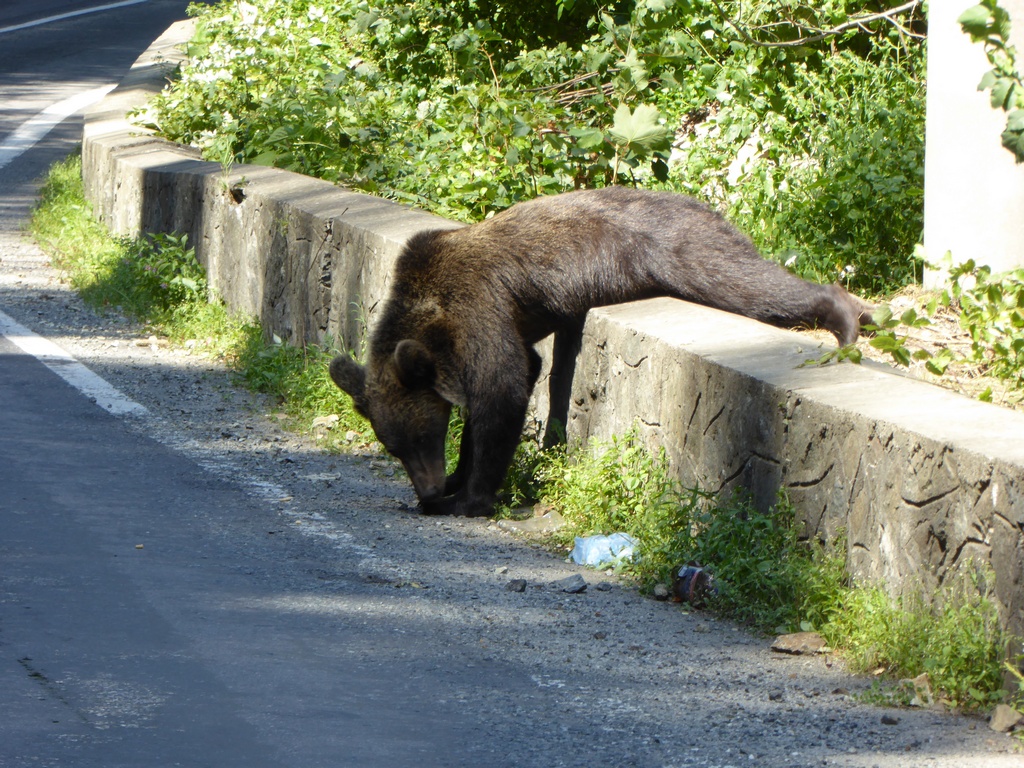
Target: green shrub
833	185
621	486
465	108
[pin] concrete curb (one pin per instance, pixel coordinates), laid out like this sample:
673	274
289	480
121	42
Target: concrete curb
921	480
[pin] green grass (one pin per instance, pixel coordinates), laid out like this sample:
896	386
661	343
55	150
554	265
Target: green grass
155	280
299	378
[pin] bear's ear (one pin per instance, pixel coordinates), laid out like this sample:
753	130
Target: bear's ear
415	365
350	377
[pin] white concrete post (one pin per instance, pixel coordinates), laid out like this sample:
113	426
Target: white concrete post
973	189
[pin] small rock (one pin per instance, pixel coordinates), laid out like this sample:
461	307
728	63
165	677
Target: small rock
1004	718
327	422
890	720
776	695
516	585
603	586
572	585
922	690
501	570
799	643
661	592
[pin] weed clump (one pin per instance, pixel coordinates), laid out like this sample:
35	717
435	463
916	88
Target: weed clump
771	578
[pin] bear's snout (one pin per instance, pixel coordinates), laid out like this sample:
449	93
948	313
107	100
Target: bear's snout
428	477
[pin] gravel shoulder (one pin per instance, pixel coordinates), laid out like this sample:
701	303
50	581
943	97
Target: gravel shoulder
654	684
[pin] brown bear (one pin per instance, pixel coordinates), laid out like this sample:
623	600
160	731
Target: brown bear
467	305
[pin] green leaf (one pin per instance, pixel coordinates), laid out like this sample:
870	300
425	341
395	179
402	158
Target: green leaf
1013	140
283	132
639	129
1002	92
975	22
587	138
268	158
885	342
882	315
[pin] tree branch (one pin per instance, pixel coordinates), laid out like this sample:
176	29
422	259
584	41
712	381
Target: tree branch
821	34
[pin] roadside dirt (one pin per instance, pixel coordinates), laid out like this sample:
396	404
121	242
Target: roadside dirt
659	685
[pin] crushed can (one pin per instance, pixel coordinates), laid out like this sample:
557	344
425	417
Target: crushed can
692	584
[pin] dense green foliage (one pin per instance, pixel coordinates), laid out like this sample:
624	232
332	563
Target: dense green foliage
990	310
802	122
298	377
956	639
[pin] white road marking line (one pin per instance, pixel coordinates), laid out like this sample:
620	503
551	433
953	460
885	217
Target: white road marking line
29	133
73	372
70	15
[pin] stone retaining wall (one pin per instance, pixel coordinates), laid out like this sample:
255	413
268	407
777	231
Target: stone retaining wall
920	479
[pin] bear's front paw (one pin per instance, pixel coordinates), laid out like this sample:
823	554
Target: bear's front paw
456	506
443	506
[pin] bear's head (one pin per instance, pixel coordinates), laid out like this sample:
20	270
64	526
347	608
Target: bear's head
408	416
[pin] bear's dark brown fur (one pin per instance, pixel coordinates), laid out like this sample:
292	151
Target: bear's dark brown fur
467	305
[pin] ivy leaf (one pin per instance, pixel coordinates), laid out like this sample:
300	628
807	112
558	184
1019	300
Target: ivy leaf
639	130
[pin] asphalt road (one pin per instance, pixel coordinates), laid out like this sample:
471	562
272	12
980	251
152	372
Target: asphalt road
49	62
191	586
114	556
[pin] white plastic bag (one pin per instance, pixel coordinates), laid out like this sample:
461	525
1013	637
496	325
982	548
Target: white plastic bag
601	550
